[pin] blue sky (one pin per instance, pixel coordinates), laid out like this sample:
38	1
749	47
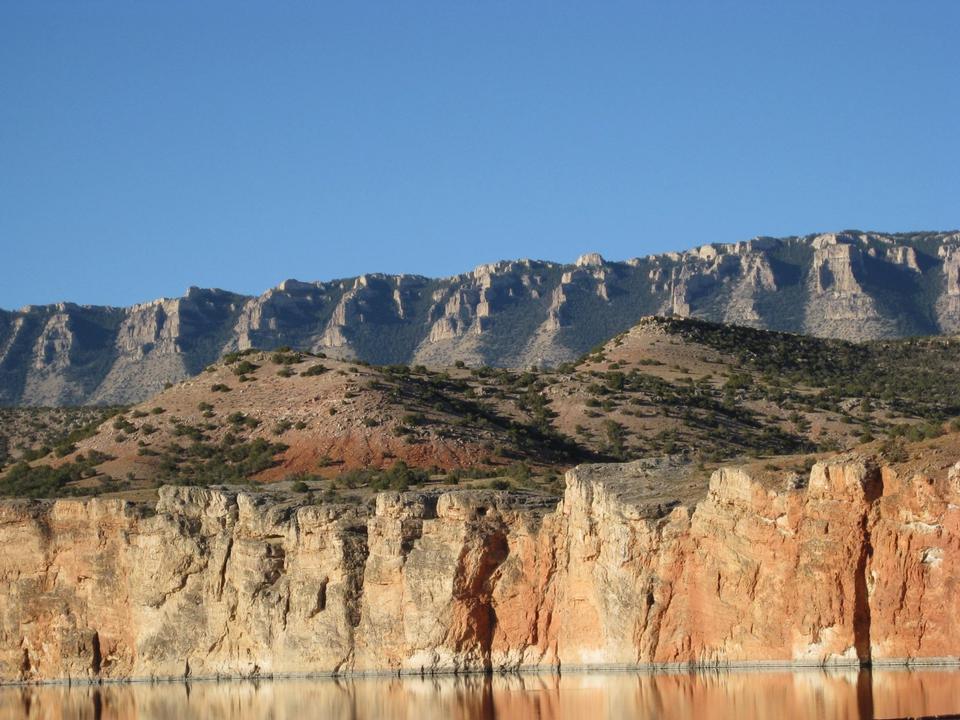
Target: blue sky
149	146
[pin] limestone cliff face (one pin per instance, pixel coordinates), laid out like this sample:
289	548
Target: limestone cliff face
69	354
840	303
849	285
861	565
948	305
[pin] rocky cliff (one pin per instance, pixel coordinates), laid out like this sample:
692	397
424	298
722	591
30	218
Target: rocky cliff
849	285
857	564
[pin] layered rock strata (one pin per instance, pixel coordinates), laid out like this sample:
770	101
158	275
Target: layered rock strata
860	565
851	285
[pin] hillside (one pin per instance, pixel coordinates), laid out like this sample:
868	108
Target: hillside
699	392
850	285
290	415
27	433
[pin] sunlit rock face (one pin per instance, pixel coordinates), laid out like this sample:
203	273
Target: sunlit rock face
859	565
850	285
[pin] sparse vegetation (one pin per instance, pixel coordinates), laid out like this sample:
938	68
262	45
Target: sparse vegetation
33	433
230	461
614	404
45	481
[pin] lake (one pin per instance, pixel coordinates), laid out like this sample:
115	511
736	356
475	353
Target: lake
814	694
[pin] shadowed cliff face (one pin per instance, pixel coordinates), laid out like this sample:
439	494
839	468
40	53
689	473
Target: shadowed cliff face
854	286
859	566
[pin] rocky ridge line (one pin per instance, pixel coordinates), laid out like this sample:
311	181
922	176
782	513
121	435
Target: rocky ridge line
848	285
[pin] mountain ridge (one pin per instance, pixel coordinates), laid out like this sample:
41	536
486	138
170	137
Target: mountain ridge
582	256
512	313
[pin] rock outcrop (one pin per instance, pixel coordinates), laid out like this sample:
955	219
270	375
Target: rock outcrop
859	566
851	285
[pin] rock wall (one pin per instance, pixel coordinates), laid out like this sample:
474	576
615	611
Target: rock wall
859	566
851	285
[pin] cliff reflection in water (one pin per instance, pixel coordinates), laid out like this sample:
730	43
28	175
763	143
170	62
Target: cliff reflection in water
712	695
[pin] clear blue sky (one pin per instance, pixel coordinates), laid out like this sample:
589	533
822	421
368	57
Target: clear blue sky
149	146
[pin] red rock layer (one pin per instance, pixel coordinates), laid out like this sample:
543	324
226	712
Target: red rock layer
859	566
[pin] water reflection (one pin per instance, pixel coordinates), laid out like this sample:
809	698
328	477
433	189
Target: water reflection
601	696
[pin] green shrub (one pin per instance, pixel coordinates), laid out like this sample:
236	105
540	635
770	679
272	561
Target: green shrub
615	436
893	450
615	380
45	481
245	367
124	425
519	471
286	357
32	454
64	449
239	419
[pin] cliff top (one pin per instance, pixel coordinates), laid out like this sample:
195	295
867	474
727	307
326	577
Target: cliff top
929	240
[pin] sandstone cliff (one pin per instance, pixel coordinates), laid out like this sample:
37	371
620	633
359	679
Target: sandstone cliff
849	285
860	564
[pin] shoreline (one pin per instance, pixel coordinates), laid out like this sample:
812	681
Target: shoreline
759	666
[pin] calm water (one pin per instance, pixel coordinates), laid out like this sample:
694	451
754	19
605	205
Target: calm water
742	695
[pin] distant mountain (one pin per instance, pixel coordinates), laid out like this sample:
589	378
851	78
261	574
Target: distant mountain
851	285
